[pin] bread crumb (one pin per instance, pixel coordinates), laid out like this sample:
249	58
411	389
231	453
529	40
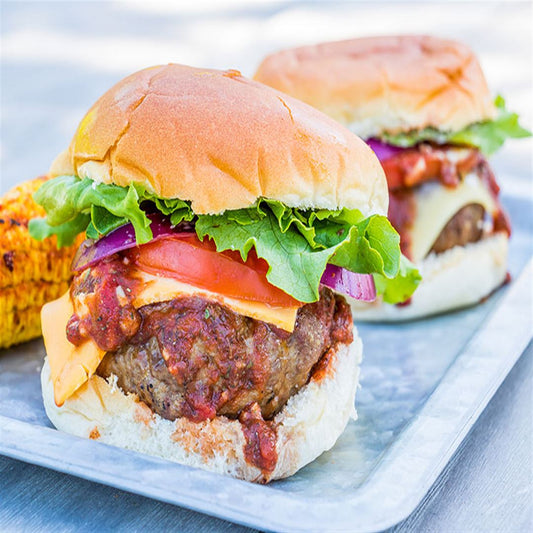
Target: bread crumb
112	380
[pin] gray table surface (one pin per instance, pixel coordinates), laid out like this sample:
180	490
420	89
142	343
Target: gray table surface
59	57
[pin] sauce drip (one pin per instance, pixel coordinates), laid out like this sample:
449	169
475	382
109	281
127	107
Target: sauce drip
110	317
261	439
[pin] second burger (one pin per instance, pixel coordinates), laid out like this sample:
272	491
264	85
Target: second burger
423	105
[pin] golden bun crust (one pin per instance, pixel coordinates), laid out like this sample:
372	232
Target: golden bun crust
392	84
221	141
309	424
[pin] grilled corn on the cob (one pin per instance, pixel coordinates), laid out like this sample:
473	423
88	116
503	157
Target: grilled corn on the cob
31	272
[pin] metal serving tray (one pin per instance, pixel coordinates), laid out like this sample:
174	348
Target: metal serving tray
423	386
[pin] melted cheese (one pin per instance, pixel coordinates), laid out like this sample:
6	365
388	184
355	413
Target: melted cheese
159	289
435	207
71	366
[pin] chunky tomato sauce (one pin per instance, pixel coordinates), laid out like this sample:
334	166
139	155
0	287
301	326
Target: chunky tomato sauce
402	214
501	221
426	163
205	353
107	290
261	439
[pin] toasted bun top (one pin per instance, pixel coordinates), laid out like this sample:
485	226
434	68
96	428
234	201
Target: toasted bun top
221	141
390	84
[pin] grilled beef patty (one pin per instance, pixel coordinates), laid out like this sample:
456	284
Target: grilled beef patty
464	227
195	358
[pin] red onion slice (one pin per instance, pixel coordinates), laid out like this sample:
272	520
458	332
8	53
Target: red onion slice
123	238
358	286
383	150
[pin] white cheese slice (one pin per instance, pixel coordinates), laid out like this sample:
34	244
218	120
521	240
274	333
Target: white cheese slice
435	206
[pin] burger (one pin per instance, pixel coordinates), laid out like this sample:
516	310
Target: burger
206	322
423	105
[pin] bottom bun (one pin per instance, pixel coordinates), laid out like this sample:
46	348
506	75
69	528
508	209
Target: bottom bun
456	278
309	424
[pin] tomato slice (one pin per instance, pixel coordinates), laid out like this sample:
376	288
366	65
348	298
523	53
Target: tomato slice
185	258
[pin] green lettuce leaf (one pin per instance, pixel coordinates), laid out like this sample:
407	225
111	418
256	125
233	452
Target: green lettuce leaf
488	135
297	244
297	259
399	288
106	207
66	233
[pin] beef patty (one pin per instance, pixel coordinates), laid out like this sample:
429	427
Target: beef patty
464	227
195	358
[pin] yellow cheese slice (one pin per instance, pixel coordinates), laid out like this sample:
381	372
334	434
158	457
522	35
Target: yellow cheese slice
436	205
70	366
160	289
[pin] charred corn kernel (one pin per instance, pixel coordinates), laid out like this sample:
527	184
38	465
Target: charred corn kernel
31	272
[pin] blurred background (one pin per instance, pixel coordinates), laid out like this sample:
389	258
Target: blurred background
59	57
